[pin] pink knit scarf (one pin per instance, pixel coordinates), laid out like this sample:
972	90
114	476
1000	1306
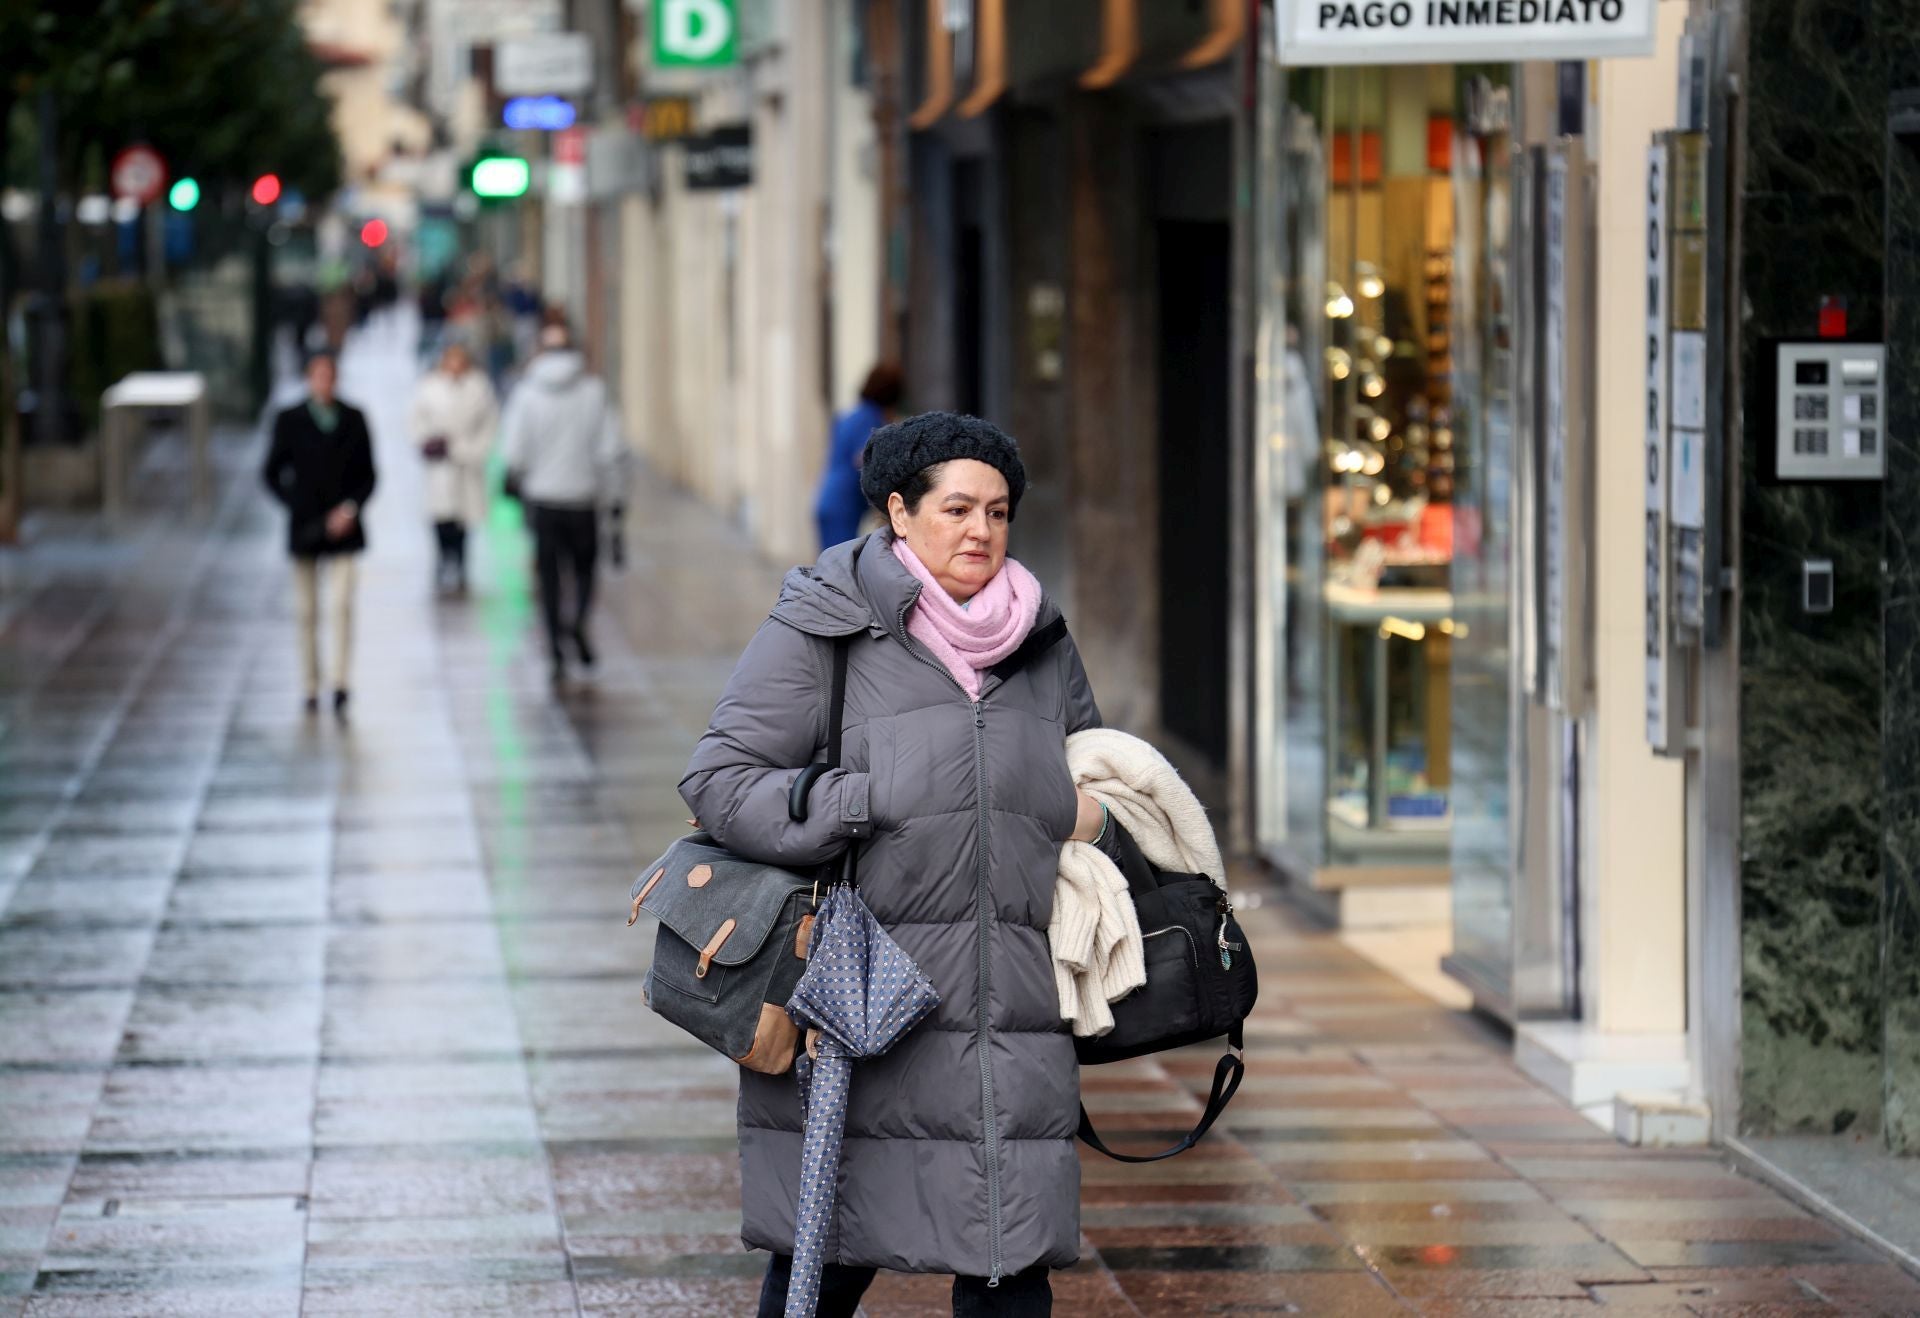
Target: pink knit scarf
967	638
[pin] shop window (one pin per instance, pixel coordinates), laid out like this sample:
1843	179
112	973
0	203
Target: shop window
1388	475
1372	406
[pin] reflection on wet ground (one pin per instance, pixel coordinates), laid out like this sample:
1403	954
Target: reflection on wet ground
299	1018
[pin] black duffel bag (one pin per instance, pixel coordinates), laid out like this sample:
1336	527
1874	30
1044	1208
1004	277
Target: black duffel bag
1200	985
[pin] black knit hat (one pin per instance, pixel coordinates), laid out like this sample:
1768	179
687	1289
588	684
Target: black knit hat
896	453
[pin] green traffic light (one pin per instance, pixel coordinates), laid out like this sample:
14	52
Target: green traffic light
184	195
501	176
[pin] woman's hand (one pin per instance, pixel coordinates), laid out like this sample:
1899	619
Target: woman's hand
1089	822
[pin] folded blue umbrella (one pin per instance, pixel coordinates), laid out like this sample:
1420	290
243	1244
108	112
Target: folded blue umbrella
862	993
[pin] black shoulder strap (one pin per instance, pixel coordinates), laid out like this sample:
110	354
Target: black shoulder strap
1227	1076
836	720
837	701
1038	642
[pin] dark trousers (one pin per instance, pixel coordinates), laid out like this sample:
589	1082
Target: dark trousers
1027	1295
452	539
564	540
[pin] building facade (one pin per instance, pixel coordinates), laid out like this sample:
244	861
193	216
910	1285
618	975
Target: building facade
1333	367
750	312
1404	431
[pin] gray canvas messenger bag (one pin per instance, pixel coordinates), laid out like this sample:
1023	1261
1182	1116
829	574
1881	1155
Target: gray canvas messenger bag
734	932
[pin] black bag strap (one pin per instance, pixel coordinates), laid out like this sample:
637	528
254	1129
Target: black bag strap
1227	1076
836	723
1038	642
837	700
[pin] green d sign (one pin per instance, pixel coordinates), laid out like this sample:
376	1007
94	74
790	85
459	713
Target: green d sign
694	34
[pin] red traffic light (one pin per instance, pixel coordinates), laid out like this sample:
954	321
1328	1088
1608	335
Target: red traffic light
266	189
373	232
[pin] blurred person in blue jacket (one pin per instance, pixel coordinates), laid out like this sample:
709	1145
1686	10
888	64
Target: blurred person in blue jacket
839	507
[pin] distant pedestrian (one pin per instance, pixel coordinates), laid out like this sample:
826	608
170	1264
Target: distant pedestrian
432	297
565	458
320	466
959	1154
454	418
839	507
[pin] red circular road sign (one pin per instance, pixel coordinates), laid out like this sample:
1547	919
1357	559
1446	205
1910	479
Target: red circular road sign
139	174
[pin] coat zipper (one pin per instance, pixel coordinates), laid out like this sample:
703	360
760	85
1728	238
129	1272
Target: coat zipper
983	908
983	919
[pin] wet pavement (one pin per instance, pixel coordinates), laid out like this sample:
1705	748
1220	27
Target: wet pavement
300	1018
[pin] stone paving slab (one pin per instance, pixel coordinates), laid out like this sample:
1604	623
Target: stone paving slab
298	1018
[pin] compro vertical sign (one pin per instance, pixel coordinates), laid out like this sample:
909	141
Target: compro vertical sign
1661	695
1462	31
695	34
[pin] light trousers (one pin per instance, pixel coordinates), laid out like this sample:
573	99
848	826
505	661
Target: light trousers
340	571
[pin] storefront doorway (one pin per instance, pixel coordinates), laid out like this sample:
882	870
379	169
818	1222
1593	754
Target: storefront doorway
1195	266
1192	291
969	289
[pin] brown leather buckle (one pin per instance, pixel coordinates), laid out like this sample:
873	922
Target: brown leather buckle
714	944
635	913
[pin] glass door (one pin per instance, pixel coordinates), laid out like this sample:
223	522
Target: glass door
1389	362
1289	462
1484	694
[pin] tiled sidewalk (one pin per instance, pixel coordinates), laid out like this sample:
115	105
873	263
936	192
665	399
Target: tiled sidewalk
303	1019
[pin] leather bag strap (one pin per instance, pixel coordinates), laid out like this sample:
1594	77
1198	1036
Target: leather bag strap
837	701
836	720
1227	1075
849	862
1038	642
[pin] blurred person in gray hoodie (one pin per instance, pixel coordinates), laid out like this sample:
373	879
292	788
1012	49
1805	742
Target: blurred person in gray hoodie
565	458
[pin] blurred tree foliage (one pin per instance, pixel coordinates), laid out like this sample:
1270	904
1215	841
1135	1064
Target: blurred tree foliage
225	90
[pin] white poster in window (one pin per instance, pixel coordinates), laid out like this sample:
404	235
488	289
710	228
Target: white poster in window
1687	464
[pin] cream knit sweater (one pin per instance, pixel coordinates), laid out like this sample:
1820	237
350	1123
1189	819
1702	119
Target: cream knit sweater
1095	935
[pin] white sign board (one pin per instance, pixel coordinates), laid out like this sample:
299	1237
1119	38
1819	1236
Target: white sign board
483	22
544	64
1462	31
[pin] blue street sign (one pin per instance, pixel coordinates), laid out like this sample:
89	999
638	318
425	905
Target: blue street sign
546	114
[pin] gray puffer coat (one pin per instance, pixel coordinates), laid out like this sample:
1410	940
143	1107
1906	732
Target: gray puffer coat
959	1154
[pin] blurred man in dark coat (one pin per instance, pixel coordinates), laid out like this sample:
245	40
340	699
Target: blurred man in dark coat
320	467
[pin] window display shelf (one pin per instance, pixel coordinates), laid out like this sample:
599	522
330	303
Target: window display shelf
1388	649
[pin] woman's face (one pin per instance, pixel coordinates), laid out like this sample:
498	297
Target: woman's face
454	361
959	530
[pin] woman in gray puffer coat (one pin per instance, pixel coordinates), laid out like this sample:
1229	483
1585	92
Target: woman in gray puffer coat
962	688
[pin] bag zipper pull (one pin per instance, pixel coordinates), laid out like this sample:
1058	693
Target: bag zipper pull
1227	949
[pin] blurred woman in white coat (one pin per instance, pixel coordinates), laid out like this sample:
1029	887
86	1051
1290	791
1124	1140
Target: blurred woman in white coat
454	418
